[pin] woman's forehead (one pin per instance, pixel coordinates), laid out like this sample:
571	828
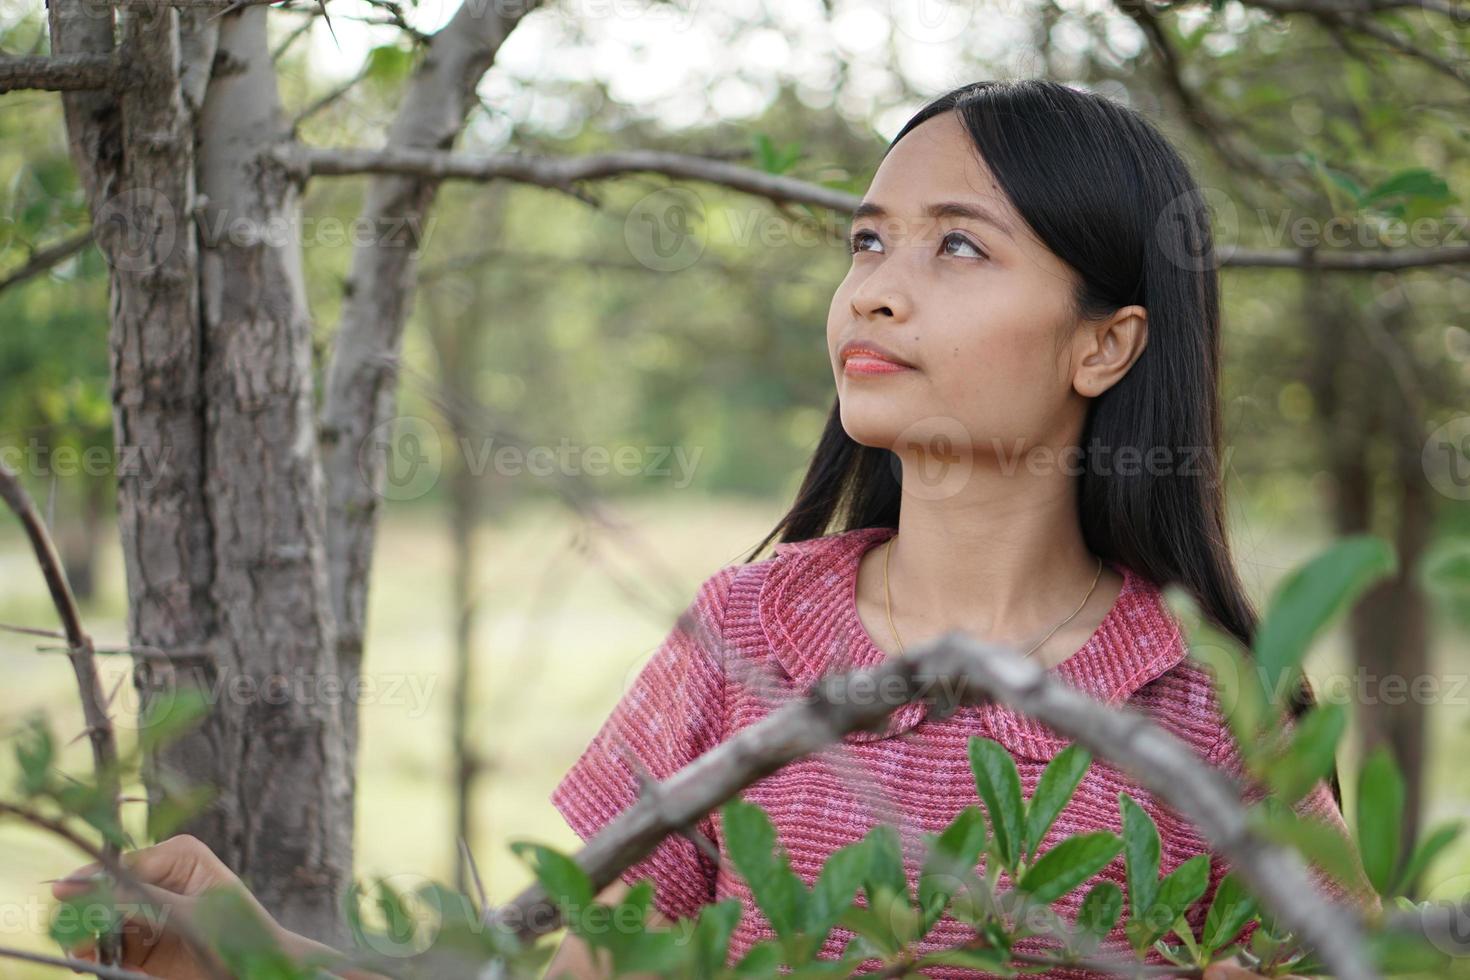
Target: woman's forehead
936	161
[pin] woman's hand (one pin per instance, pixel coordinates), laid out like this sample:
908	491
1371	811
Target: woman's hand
174	873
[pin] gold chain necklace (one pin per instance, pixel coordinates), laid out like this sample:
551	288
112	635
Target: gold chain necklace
888	602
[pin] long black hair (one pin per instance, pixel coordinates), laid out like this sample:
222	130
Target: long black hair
1109	196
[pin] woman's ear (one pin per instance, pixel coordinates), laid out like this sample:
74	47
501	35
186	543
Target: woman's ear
1108	349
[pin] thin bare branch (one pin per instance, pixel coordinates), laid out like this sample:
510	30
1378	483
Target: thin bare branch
1335	12
59	73
75	965
564	173
1345	260
327	99
561	173
46	258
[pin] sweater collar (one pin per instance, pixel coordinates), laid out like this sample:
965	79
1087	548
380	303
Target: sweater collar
808	611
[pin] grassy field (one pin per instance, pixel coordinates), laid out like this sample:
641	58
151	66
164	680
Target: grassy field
561	631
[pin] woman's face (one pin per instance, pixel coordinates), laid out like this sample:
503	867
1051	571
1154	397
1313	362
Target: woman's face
946	277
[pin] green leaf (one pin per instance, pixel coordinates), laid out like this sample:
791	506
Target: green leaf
1346	182
717	922
170	715
1425	853
950	861
1069	864
1237	687
1100	909
1311	754
1230	910
999	785
1411	183
1059	780
840	878
35	750
1397	952
647	950
761	960
1309	598
1380	817
872	923
885	868
1140	854
400	924
1320	843
1177	891
77	918
765	866
1445	569
227	919
772	160
388	64
563	878
167	813
94	805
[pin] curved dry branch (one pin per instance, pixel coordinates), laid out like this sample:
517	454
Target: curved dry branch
361	377
950	671
565	173
79	644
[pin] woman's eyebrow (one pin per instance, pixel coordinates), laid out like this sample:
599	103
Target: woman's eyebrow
941	209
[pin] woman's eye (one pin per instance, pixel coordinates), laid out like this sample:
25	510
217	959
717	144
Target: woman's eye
855	242
964	242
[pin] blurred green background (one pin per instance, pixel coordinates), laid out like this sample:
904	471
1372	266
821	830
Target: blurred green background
534	321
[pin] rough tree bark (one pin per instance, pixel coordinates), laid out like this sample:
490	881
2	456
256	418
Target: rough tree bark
282	812
1388	629
223	524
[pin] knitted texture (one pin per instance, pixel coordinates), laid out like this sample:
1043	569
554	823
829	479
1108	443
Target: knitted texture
760	633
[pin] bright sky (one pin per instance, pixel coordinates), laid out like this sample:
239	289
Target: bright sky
695	60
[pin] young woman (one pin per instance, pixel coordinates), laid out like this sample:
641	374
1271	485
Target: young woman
1024	445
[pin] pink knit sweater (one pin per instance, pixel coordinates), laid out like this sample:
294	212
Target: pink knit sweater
765	631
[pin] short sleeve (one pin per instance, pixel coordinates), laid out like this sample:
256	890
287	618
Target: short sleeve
672	713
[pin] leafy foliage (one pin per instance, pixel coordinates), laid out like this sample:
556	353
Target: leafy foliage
991	868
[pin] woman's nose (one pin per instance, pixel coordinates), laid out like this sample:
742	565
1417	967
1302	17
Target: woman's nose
881	295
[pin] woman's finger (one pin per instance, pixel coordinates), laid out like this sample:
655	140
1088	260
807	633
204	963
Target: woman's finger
182	864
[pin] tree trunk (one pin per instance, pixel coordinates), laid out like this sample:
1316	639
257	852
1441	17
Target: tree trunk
284	816
362	380
222	517
1388	629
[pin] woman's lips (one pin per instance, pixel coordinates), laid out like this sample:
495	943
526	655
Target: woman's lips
868	364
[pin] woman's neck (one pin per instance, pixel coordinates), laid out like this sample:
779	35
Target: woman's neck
1002	559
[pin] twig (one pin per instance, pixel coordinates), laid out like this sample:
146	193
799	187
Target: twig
84	664
43	259
469	860
75	965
